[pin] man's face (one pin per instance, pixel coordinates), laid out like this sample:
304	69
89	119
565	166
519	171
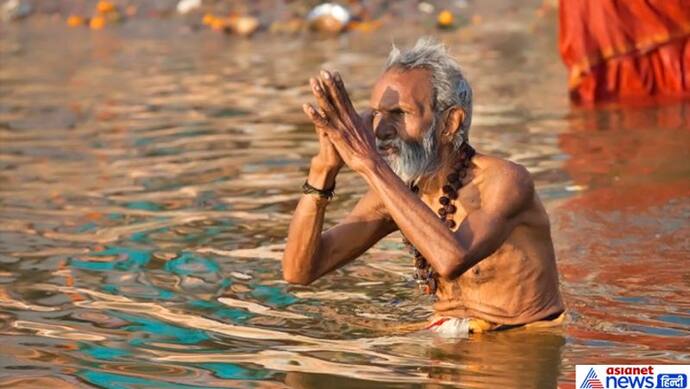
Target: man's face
404	122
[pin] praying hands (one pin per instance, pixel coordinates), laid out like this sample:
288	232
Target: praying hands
337	119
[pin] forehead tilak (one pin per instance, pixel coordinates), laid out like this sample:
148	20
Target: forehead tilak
410	88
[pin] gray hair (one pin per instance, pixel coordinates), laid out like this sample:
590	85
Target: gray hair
450	88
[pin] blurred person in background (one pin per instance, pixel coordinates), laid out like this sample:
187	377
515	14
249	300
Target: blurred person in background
626	49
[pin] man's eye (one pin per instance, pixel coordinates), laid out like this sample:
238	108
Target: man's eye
397	112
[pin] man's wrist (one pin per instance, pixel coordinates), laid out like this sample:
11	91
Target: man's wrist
372	167
322	176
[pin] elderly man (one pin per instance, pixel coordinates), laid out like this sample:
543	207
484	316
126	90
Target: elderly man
478	231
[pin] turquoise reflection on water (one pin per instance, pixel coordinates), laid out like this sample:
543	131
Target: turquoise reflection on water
235	315
145	236
144	205
110	288
150	293
155	329
232	371
120	381
203	304
165	294
88	227
272	295
134	259
95	266
188	263
101	352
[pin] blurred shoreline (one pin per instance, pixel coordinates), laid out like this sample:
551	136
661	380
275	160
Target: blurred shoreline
288	19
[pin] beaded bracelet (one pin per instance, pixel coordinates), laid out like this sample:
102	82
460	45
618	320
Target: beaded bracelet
323	193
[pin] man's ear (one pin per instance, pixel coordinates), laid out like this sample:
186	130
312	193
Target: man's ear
452	118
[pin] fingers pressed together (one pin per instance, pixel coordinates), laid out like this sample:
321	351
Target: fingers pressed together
334	105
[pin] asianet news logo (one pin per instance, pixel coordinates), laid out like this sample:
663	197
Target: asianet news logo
632	377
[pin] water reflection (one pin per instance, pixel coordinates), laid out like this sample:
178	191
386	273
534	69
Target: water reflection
505	360
147	181
646	168
530	359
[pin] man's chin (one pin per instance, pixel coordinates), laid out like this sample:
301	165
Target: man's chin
393	161
389	152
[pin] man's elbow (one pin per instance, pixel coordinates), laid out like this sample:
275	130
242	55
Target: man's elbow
452	268
297	278
449	273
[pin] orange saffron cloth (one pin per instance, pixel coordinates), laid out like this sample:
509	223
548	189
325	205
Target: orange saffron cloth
625	49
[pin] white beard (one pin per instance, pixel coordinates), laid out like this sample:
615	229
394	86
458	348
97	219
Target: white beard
413	159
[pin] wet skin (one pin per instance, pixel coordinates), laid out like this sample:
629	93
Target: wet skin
498	264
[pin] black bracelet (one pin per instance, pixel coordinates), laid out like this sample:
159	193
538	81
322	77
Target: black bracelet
323	193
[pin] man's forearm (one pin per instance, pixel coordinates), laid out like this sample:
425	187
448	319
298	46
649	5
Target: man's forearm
416	220
300	257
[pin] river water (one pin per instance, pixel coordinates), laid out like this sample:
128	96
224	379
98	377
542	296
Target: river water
147	178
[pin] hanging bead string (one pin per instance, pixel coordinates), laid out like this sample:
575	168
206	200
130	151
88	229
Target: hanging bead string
426	277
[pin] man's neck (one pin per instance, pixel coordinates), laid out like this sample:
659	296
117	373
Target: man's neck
433	182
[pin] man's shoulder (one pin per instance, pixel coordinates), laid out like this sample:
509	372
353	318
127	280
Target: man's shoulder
506	181
504	172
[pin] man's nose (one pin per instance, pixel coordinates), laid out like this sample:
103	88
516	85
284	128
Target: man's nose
384	130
